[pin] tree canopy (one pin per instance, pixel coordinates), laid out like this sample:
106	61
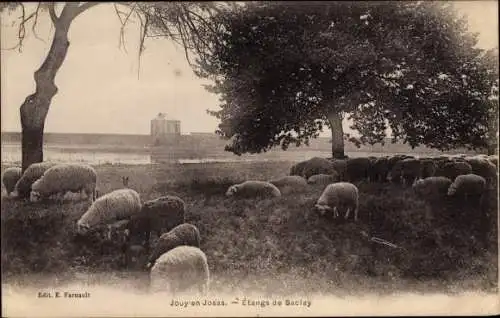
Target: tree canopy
178	21
284	69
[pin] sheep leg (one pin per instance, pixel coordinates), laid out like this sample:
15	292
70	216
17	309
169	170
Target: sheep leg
356	209
347	213
335	212
125	248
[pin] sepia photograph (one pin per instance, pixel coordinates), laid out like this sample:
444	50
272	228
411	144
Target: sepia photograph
251	158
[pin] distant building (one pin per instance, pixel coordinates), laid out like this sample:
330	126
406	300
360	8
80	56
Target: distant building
163	130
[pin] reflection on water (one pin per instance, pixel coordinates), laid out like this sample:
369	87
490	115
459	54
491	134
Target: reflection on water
11	153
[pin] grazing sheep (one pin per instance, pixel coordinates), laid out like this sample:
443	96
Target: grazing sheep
468	186
317	165
296	169
183	269
10	177
159	215
483	168
184	234
452	170
396	172
379	170
393	160
357	168
427	168
395	167
440	163
323	179
432	187
339	196
30	175
114	206
253	188
340	166
62	178
405	171
411	170
290	184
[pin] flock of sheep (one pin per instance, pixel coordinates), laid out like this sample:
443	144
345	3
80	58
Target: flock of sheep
176	262
459	176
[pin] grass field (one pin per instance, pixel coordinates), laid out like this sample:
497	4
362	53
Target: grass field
268	246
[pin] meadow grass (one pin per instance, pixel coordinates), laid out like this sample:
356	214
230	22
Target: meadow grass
271	246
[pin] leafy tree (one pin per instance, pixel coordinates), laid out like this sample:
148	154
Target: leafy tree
285	70
173	20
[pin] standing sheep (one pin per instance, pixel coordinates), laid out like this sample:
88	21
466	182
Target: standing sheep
184	234
296	169
30	175
379	170
452	170
10	177
411	170
483	168
432	187
340	166
396	172
182	269
357	168
405	171
253	188
427	168
339	196
468	186
114	206
290	184
62	178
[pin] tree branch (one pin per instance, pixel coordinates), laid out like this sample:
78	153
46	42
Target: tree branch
33	27
142	36
52	12
85	6
123	22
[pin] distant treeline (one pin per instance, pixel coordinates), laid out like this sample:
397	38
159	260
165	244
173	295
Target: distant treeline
203	141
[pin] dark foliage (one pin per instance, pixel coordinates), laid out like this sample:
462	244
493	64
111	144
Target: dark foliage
282	69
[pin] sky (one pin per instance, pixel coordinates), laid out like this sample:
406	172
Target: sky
99	87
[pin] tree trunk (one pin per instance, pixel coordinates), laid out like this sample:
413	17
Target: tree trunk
36	106
32	146
335	120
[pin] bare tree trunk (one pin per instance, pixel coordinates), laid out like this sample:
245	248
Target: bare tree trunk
335	120
36	106
32	146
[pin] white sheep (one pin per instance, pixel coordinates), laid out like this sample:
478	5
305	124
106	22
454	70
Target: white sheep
289	184
63	178
323	179
339	195
182	269
114	206
10	177
253	188
184	234
30	175
468	185
432	187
